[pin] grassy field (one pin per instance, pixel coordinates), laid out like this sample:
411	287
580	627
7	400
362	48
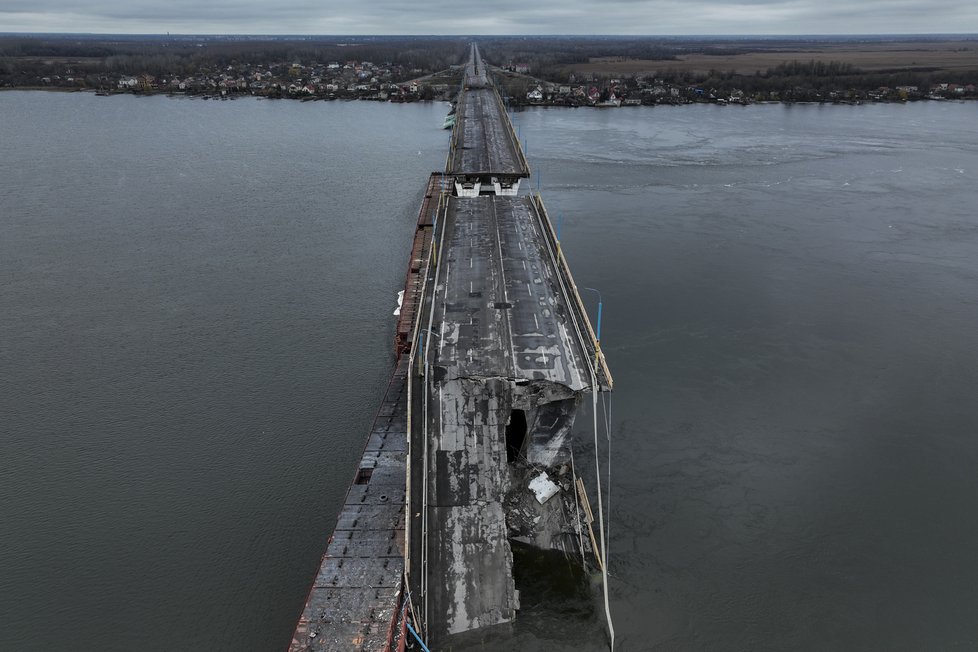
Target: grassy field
910	55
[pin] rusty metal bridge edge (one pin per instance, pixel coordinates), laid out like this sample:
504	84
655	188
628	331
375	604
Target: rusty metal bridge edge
355	599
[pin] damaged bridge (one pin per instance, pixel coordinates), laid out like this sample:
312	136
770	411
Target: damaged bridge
504	353
495	353
504	358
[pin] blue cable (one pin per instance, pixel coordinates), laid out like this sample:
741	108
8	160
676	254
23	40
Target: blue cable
423	646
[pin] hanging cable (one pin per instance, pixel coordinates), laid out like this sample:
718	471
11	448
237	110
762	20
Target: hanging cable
606	408
604	545
608	432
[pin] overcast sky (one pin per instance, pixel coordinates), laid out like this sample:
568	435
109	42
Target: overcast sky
506	16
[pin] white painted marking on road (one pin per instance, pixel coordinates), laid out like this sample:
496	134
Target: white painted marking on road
441	412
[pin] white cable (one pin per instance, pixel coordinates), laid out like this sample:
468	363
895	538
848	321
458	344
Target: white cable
597	472
606	408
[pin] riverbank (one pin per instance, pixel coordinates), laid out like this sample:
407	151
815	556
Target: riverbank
445	95
303	97
525	90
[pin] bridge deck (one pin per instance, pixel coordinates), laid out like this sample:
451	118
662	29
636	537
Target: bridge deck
483	142
502	322
501	310
475	71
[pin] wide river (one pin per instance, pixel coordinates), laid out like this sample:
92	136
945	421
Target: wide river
196	328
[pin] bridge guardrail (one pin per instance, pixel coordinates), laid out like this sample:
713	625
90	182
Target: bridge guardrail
577	303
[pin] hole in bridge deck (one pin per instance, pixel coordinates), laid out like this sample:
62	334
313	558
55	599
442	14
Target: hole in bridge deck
363	476
515	435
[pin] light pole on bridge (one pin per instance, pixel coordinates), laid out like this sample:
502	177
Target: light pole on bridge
597	338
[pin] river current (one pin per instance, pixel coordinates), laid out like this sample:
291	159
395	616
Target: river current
196	329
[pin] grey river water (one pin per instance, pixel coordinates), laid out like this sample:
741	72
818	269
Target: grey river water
195	331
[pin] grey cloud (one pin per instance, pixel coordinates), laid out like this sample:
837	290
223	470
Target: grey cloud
505	16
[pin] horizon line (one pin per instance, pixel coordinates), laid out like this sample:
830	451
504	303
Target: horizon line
465	35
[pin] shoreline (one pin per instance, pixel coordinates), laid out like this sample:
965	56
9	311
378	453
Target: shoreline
514	107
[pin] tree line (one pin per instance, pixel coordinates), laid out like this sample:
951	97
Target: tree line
162	56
